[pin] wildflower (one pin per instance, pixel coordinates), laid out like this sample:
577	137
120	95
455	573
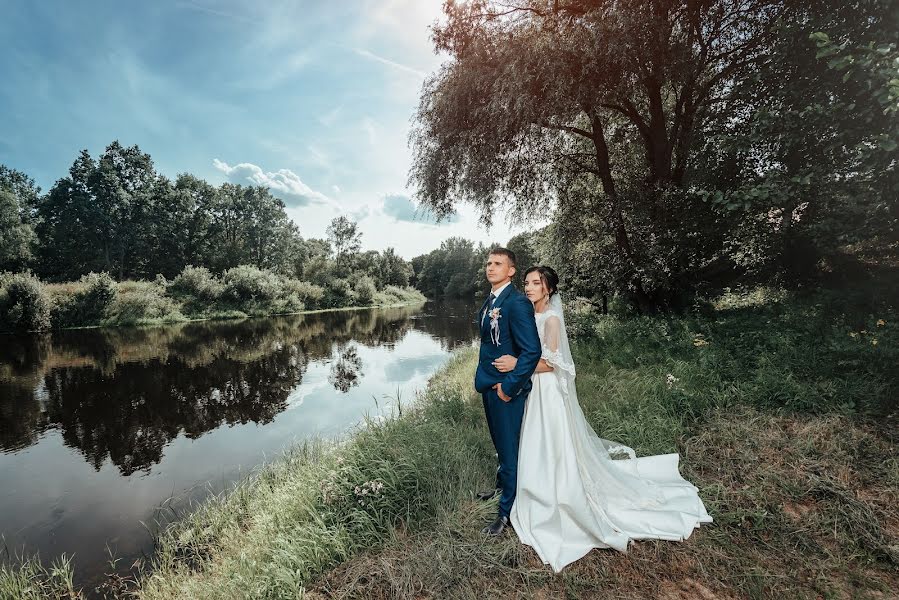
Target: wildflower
670	380
874	342
881	322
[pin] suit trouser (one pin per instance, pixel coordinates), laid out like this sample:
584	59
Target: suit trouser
504	423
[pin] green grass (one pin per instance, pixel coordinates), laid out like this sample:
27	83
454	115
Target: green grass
30	580
783	410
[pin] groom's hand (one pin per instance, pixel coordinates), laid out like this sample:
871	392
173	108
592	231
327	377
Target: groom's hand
505	363
499	392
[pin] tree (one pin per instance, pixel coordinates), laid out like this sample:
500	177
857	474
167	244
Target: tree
344	236
525	255
595	98
98	218
455	270
393	270
181	225
18	196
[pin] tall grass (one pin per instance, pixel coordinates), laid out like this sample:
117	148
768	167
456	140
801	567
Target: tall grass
28	579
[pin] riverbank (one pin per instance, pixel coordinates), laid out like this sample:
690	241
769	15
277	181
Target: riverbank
96	300
783	411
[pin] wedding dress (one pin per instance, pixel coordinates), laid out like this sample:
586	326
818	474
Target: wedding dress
572	494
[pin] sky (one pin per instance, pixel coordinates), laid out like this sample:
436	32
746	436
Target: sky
311	98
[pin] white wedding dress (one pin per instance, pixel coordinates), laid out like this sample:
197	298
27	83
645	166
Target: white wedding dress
572	494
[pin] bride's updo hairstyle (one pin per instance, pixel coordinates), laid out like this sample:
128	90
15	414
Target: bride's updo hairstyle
548	276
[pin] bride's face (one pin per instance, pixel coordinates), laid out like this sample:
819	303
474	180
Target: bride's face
534	288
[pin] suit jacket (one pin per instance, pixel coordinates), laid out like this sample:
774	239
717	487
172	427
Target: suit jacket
517	336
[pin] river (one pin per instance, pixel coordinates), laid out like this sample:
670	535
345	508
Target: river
104	433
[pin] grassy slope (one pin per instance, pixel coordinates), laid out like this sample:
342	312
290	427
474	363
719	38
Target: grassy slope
770	407
772	414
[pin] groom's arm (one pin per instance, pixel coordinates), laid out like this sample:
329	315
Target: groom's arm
523	329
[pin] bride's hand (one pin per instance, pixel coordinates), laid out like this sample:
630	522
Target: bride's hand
505	363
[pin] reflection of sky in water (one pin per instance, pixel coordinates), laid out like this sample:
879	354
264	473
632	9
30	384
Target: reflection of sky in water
54	501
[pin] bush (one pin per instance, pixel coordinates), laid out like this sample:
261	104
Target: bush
392	294
365	290
196	283
249	284
338	293
98	295
89	304
308	293
24	303
142	302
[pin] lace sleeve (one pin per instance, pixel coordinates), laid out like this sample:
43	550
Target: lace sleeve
552	349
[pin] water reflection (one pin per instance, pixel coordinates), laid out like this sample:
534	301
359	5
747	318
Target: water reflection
347	370
124	394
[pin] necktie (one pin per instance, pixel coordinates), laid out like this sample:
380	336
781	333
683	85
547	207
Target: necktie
490	300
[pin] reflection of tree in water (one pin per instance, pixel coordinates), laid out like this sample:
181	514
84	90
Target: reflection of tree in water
126	393
133	415
346	370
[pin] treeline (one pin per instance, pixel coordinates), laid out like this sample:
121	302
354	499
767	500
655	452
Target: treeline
455	270
676	146
138	247
116	214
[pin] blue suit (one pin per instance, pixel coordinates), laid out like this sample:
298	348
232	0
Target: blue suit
517	337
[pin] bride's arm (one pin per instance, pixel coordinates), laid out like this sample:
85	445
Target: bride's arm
543	366
507	362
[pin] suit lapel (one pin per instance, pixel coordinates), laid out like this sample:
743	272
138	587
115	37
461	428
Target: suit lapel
482	316
502	296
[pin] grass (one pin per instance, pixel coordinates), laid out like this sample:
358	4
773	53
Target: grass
783	410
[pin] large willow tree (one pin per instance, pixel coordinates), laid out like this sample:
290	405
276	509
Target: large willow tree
598	110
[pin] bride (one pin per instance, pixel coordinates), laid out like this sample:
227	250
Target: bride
572	495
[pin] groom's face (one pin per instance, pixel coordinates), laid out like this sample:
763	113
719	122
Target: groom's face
499	269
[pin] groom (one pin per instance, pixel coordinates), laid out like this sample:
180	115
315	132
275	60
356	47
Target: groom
507	327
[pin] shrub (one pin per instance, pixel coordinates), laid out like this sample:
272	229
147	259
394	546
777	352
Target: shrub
392	294
89	304
24	303
338	293
196	283
308	293
365	290
98	294
144	301
249	284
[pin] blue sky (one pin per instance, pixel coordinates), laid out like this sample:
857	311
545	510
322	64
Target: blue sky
312	98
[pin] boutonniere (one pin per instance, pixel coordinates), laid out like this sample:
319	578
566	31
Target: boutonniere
494	325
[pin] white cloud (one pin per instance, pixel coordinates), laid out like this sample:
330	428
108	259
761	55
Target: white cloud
401	208
284	183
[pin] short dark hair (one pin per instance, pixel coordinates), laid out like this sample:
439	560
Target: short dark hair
548	276
500	251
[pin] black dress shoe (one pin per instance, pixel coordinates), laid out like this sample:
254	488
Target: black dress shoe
488	494
497	527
